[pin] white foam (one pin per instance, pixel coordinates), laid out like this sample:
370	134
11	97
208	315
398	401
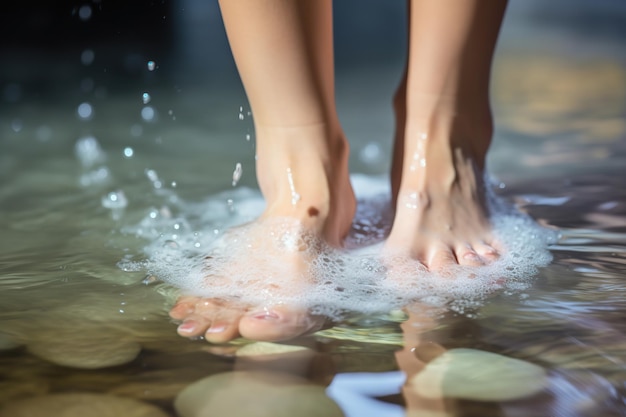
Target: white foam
272	263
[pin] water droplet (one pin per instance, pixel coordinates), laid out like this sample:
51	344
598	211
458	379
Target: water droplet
115	200
16	125
128	152
151	65
153	214
145	97
371	153
231	205
87	57
85	111
248	137
152	175
237	173
88	151
147	114
241	116
295	197
98	176
84	13
174	184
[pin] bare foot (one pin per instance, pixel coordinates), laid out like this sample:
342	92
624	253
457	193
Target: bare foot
310	205
441	214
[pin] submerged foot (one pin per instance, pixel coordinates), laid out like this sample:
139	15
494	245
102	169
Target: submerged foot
257	279
258	282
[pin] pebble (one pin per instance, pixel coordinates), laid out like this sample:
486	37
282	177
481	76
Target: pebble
477	375
85	351
259	394
79	405
267	348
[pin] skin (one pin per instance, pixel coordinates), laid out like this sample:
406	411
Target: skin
284	54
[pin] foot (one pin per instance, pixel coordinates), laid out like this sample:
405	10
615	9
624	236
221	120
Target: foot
310	204
441	215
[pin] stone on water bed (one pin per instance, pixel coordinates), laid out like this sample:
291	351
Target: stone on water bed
267	348
259	394
87	351
477	375
79	405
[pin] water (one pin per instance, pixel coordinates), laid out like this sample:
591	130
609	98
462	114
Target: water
74	322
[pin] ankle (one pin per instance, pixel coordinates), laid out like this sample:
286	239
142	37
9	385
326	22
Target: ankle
303	174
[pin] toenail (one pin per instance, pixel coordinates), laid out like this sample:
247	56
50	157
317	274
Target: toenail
187	327
266	315
471	256
216	329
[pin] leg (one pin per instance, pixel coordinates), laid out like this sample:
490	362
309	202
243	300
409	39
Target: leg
441	216
284	54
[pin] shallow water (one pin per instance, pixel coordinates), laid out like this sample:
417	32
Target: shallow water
73	320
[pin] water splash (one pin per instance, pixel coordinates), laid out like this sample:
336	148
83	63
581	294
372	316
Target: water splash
295	197
84	111
237	173
115	200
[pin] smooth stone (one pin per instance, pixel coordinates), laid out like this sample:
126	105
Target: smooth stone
259	394
477	375
79	405
85	350
267	348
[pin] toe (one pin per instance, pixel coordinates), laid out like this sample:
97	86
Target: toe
441	257
467	256
278	323
487	252
225	327
194	325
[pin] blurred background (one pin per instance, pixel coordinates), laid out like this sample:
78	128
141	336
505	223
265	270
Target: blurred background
75	68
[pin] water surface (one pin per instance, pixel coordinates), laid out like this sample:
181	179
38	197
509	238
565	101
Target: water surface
73	321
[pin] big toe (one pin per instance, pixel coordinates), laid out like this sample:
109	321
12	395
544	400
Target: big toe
279	323
440	257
